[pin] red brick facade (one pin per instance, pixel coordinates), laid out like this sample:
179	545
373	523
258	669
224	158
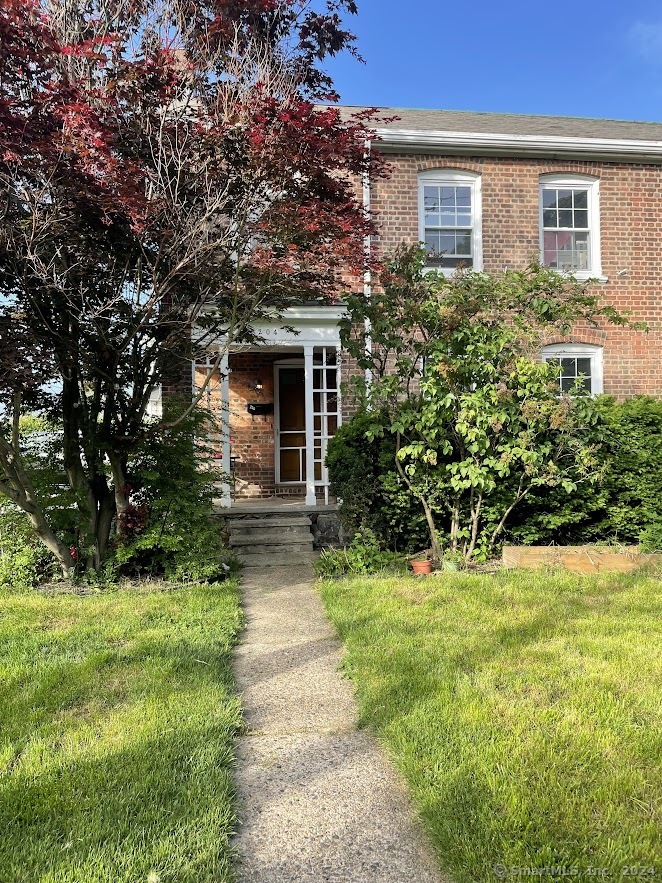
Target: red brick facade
631	254
631	235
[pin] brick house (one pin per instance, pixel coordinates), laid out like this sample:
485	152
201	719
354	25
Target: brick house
490	191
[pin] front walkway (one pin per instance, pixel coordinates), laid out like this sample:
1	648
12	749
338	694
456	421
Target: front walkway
318	802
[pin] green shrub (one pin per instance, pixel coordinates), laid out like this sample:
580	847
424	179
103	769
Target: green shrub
626	503
169	529
24	562
362	474
362	556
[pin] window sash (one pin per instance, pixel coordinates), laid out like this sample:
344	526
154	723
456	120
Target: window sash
566	226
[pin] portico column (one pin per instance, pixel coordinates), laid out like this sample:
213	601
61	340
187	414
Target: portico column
311	499
226	490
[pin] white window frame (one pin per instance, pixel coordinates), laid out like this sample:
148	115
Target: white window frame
580	351
592	186
454	178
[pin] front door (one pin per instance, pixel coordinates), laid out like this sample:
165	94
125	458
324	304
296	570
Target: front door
290	424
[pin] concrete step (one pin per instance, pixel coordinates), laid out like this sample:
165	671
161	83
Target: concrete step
277	559
268	530
268	521
267	550
278	536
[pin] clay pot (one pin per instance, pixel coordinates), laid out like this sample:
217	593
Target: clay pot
421	565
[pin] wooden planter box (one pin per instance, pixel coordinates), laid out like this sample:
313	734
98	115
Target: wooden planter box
579	559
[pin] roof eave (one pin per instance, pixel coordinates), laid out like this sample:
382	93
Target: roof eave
497	144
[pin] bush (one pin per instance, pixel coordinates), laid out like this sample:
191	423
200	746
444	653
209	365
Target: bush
169	530
362	474
362	556
24	562
625	505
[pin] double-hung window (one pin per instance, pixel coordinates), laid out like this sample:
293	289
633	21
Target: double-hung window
578	363
570	225
449	219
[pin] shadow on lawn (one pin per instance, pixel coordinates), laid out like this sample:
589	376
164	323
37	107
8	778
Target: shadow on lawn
162	804
121	763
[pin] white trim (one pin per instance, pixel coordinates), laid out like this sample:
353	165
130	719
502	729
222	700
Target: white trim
311	497
449	142
581	351
593	188
455	177
226	487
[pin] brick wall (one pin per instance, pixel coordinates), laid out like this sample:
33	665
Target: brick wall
631	235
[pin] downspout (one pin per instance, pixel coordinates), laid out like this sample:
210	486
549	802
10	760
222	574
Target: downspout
367	276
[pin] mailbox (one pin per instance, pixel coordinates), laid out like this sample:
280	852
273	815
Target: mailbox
260	408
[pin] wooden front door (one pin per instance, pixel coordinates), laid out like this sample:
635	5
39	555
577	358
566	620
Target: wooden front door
290	424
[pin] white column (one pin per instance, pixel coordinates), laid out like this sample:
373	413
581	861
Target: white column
226	492
311	499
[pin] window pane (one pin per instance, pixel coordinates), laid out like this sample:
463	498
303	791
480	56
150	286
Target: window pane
581	198
448	196
569	367
584	367
431	197
463	196
567	383
581	219
463	245
564	198
464	220
566	251
448	218
550	218
565	219
432	220
447	243
431	242
548	197
586	383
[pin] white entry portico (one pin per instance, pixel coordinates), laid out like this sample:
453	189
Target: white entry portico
308	338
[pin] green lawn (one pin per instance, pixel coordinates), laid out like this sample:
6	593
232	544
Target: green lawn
117	719
523	709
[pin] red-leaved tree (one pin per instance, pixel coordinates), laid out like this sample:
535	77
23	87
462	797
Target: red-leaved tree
165	166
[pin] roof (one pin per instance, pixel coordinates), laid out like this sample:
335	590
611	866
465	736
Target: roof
508	134
513	124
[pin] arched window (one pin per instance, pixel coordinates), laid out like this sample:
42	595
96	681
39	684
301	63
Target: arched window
581	361
449	219
570	225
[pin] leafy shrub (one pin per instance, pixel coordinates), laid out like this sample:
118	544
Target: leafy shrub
362	474
625	504
24	562
362	556
169	529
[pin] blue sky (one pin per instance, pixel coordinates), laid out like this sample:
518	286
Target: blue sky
581	58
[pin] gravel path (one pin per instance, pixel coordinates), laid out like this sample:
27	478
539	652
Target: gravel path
317	799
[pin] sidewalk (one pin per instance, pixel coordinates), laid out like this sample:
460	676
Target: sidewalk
317	799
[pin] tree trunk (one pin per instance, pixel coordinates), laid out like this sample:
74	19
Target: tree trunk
435	546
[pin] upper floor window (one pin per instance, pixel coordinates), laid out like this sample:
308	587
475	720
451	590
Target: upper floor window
578	363
449	219
570	225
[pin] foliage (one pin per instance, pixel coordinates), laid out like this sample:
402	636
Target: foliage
480	425
164	165
170	531
520	707
626	505
23	561
363	555
118	716
362	474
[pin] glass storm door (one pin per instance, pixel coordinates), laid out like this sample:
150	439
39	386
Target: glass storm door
291	424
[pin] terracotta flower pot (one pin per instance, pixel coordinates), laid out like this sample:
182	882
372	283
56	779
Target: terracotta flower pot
421	565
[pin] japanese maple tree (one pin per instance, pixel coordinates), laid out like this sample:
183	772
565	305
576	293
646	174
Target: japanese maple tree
169	177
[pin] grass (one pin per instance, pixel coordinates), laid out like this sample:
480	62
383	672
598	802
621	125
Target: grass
523	710
117	719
